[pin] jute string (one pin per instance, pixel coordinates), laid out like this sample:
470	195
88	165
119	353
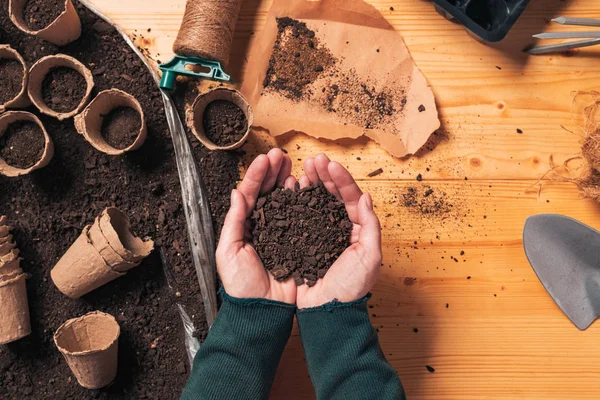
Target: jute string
207	29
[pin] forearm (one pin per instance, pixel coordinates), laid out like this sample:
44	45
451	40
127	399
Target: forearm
343	354
242	350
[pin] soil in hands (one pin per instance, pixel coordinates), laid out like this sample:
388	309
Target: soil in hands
224	122
121	127
298	60
63	89
38	14
11	75
22	144
300	233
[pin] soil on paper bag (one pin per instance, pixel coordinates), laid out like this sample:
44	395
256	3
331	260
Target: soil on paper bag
63	89
121	127
303	69
22	144
224	122
50	207
300	233
11	79
38	14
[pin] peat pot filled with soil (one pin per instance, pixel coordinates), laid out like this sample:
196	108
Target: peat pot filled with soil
24	143
13	79
60	85
221	119
55	21
300	233
113	122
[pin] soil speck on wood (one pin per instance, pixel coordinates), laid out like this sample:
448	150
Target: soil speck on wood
22	144
11	78
300	234
63	89
38	14
121	127
224	122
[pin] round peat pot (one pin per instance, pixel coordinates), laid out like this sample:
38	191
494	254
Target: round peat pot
195	117
20	98
65	28
37	75
90	123
114	225
90	345
14	308
110	256
11	117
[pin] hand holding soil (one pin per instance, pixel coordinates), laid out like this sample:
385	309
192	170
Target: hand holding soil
241	270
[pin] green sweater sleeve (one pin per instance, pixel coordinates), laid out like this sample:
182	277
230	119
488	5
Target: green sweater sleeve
239	357
343	354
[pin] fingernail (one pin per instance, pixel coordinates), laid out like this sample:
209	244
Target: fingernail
369	201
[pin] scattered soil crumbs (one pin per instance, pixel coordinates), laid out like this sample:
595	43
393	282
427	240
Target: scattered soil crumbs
50	207
38	14
298	60
430	368
302	69
375	173
63	88
300	234
427	201
22	144
121	127
11	75
224	122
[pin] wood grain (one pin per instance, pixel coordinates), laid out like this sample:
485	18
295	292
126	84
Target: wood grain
497	335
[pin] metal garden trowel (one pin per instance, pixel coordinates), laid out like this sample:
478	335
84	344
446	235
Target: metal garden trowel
565	255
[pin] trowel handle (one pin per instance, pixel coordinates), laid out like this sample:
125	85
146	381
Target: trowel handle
207	29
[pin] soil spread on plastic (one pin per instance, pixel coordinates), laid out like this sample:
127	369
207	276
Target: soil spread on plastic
63	89
11	75
300	233
224	122
121	127
50	207
22	144
38	14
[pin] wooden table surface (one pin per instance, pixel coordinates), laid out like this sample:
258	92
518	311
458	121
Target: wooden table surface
497	335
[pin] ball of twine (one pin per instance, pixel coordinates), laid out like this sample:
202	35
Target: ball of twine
207	29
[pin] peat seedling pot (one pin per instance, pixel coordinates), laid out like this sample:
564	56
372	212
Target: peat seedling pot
113	116
90	345
115	227
14	308
13	71
42	82
18	146
196	119
63	29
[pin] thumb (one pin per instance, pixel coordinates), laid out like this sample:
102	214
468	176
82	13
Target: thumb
369	236
233	227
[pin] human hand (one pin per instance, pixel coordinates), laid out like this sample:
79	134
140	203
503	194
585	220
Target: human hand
355	272
241	270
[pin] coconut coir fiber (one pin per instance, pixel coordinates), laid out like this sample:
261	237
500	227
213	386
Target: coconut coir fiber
63	89
22	144
38	14
11	79
121	127
300	233
50	207
224	122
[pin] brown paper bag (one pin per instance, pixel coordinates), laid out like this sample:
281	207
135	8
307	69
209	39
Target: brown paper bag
370	85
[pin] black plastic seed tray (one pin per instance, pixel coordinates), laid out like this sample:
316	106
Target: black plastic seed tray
489	19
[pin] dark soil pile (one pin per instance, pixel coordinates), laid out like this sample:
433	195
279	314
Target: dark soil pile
38	14
121	127
51	206
11	75
427	201
298	59
224	122
300	234
22	144
63	89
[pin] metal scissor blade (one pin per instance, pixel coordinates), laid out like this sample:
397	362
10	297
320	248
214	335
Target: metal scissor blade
563	46
577	21
568	35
